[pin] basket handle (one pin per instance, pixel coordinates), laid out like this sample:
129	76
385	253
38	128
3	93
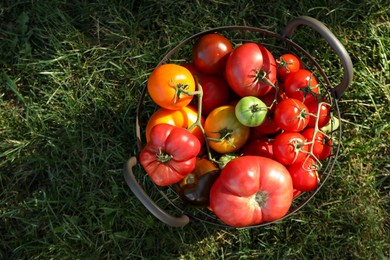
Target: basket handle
147	201
333	42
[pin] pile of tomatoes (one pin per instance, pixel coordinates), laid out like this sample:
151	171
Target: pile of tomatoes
238	131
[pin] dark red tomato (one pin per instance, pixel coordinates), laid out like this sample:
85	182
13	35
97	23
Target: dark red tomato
319	145
271	99
292	115
195	187
261	147
301	85
287	63
251	70
216	91
304	175
323	114
290	148
210	53
269	126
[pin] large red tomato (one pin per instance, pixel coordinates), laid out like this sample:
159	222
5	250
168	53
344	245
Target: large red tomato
170	155
251	190
251	70
210	53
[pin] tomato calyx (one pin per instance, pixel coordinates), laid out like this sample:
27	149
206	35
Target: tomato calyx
282	63
163	156
261	198
298	147
225	134
260	76
308	90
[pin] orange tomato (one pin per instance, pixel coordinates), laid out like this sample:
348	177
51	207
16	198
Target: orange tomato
224	132
167	83
184	117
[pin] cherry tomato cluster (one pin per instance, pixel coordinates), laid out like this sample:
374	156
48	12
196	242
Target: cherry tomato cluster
238	131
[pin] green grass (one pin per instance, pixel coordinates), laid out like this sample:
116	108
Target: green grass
71	75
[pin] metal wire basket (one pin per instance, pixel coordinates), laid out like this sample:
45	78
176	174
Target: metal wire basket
277	44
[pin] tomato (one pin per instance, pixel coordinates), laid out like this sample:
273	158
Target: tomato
170	155
251	70
321	145
302	85
216	91
224	132
195	188
250	111
332	125
251	190
210	53
304	175
269	126
287	63
169	84
290	148
260	147
292	115
271	99
184	118
323	114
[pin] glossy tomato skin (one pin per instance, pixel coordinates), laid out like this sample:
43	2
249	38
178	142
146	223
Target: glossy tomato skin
251	190
302	85
260	147
304	175
195	187
287	63
292	115
224	132
322	145
170	155
251	111
183	118
324	113
210	53
216	91
268	127
250	69
290	147
164	82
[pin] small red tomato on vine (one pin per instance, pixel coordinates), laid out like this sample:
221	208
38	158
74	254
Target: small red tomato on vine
290	147
302	85
304	175
287	63
292	115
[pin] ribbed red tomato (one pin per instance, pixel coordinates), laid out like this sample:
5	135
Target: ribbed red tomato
251	190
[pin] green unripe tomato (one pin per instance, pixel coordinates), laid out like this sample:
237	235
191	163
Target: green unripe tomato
251	111
332	125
